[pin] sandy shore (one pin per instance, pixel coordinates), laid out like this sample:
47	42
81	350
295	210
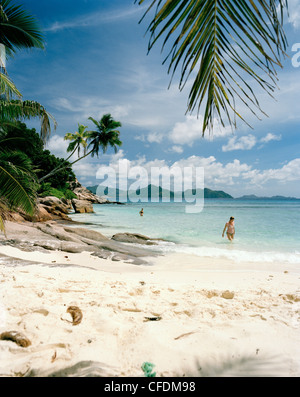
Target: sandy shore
188	316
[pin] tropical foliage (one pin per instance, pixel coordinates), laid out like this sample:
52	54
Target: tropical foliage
18	30
229	48
77	140
42	159
17	183
25	110
106	135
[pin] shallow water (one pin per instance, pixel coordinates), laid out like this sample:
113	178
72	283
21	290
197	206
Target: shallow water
266	230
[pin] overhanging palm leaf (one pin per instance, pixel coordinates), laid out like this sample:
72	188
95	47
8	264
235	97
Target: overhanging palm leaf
222	42
7	87
18	29
18	110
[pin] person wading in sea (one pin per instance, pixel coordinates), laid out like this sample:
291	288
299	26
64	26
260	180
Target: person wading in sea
230	229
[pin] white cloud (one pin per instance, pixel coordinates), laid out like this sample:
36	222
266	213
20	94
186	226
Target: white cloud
176	149
234	177
90	106
270	137
96	19
57	145
248	142
190	130
217	175
155	137
294	13
243	143
84	169
289	172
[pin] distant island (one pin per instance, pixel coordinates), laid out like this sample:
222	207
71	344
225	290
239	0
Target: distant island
254	197
158	192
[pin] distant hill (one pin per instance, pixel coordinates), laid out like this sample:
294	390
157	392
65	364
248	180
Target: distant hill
216	194
157	192
254	197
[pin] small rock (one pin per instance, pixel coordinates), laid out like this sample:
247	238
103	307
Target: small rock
227	295
82	206
134	238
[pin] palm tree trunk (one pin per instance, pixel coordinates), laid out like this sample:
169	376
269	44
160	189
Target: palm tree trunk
56	170
2	58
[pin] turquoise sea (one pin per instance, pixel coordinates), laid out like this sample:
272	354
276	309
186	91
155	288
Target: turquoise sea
266	230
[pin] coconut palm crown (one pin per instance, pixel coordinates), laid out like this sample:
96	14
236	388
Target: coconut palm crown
105	135
77	140
229	48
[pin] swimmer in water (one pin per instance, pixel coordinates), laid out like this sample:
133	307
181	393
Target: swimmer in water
230	229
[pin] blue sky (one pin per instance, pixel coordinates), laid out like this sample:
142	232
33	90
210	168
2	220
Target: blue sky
96	62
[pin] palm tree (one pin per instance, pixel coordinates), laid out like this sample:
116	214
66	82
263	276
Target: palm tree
220	44
19	30
104	136
78	139
17	184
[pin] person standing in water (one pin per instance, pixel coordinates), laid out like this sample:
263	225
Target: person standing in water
142	212
230	229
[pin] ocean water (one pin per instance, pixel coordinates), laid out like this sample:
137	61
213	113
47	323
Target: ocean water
266	230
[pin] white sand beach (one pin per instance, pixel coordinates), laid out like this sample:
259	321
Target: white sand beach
188	317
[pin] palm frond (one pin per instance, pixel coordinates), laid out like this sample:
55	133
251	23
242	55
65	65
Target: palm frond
7	87
18	29
78	139
17	184
24	110
106	134
221	44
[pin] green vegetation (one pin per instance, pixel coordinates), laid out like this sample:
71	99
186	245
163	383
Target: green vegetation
223	44
148	193
25	164
43	161
105	135
18	30
17	182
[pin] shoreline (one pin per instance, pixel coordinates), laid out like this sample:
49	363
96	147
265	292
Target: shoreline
228	318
